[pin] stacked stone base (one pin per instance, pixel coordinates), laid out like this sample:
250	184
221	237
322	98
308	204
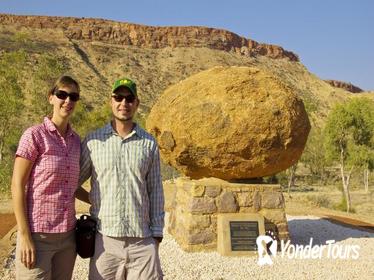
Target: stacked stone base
196	204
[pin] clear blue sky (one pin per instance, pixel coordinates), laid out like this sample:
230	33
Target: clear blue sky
334	38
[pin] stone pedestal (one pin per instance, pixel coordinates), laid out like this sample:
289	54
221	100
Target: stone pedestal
197	203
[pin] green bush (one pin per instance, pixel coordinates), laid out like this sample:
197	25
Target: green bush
5	178
319	200
282	178
342	205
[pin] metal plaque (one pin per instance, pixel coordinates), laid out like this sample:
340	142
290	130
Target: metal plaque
243	235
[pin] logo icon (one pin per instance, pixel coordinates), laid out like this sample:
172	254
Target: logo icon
266	244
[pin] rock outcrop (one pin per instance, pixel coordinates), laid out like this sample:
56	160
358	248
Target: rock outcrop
230	123
344	85
149	36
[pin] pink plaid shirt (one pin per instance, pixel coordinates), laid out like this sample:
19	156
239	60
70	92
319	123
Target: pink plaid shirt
53	179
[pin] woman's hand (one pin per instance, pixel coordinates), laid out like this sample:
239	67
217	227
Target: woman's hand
21	173
27	252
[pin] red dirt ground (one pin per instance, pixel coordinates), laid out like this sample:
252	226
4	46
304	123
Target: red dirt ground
7	222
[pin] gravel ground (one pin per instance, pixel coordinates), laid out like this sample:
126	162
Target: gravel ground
178	264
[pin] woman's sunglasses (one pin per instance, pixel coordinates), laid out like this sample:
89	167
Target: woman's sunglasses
129	98
61	94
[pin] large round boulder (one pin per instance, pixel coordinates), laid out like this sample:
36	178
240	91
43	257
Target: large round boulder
230	123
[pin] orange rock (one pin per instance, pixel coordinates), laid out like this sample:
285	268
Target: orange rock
230	123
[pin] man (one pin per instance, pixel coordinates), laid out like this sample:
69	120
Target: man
126	192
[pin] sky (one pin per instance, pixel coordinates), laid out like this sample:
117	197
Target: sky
333	38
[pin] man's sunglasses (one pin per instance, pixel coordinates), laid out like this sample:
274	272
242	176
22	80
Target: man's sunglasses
61	94
129	98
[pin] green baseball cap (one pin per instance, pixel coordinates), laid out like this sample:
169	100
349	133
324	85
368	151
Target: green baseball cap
125	82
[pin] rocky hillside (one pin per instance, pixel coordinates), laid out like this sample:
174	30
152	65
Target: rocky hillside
99	51
344	85
127	34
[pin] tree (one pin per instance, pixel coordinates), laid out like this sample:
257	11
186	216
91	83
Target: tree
291	177
11	94
314	155
366	179
349	138
365	133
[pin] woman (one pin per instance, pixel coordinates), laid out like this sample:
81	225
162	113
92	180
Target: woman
45	177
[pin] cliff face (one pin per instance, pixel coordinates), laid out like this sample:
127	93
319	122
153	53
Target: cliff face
347	86
149	36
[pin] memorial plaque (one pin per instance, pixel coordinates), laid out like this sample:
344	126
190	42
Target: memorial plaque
237	233
243	235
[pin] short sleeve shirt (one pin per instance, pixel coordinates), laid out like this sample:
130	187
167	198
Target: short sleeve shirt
50	190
